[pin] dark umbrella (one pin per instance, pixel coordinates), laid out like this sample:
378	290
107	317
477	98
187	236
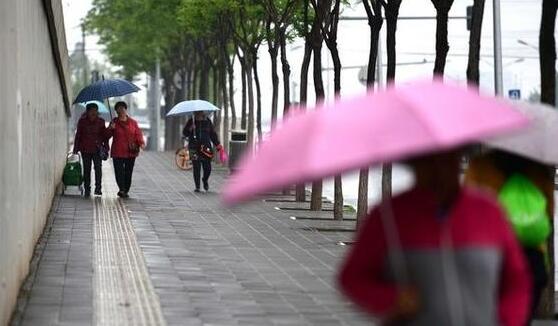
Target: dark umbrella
104	89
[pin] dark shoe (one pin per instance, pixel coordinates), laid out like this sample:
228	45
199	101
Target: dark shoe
87	193
206	186
197	190
125	195
120	194
98	192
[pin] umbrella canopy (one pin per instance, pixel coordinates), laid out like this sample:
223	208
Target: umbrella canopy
106	88
102	107
189	107
381	127
103	110
538	141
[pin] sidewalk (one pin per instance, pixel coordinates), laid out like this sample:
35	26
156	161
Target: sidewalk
172	256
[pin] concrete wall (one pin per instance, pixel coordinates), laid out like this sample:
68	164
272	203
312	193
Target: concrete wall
33	131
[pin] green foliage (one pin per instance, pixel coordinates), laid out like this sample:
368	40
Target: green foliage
134	32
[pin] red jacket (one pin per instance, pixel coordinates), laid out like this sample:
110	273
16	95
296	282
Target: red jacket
468	259
89	135
125	133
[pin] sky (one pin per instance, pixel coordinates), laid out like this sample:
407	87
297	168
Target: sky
415	43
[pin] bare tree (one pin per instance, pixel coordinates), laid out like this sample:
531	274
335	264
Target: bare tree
374	13
473	74
442	46
317	42
300	191
273	49
329	33
391	9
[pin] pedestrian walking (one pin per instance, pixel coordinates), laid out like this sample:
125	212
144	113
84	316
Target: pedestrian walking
439	254
91	142
497	172
202	142
126	144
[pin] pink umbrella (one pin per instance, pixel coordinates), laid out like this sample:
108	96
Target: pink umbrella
359	132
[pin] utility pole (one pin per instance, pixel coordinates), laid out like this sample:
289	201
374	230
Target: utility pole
498	84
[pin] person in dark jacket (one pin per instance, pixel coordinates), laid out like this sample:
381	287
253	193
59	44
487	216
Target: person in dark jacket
126	144
490	172
201	141
90	137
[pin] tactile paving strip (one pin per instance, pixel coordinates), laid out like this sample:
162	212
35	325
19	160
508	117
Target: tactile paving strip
124	294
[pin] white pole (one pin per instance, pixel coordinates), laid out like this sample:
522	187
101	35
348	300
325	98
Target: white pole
498	84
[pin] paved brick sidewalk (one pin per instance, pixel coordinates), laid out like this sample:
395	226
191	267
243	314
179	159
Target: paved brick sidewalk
207	265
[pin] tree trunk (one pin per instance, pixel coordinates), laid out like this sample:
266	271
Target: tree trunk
442	46
216	100
547	60
317	40
547	52
286	72
258	96
225	96
230	73
170	124
243	72
204	73
273	54
473	74
195	81
375	23
250	86
331	42
392	13
300	189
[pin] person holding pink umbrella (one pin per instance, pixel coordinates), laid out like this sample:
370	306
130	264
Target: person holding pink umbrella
438	254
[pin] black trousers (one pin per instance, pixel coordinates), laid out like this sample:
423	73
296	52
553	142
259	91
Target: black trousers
89	158
536	261
197	166
123	169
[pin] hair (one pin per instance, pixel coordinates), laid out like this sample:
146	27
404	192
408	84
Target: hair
91	106
121	104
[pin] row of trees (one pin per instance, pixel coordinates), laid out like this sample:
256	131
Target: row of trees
198	43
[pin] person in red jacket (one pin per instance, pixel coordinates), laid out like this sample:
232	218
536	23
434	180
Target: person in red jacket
438	254
90	137
126	144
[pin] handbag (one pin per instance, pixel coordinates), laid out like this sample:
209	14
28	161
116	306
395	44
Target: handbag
103	151
206	151
133	146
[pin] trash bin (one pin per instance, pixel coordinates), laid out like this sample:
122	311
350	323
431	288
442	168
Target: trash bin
237	145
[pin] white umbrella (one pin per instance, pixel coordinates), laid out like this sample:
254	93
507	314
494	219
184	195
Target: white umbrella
538	141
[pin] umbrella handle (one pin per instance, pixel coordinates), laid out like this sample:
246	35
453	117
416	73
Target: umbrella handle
108	102
395	250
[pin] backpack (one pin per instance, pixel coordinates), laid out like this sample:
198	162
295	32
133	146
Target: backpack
525	205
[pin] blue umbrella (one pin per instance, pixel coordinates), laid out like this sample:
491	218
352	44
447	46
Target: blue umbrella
103	89
189	107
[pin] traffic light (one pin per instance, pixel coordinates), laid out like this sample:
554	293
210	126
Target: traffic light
469	17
